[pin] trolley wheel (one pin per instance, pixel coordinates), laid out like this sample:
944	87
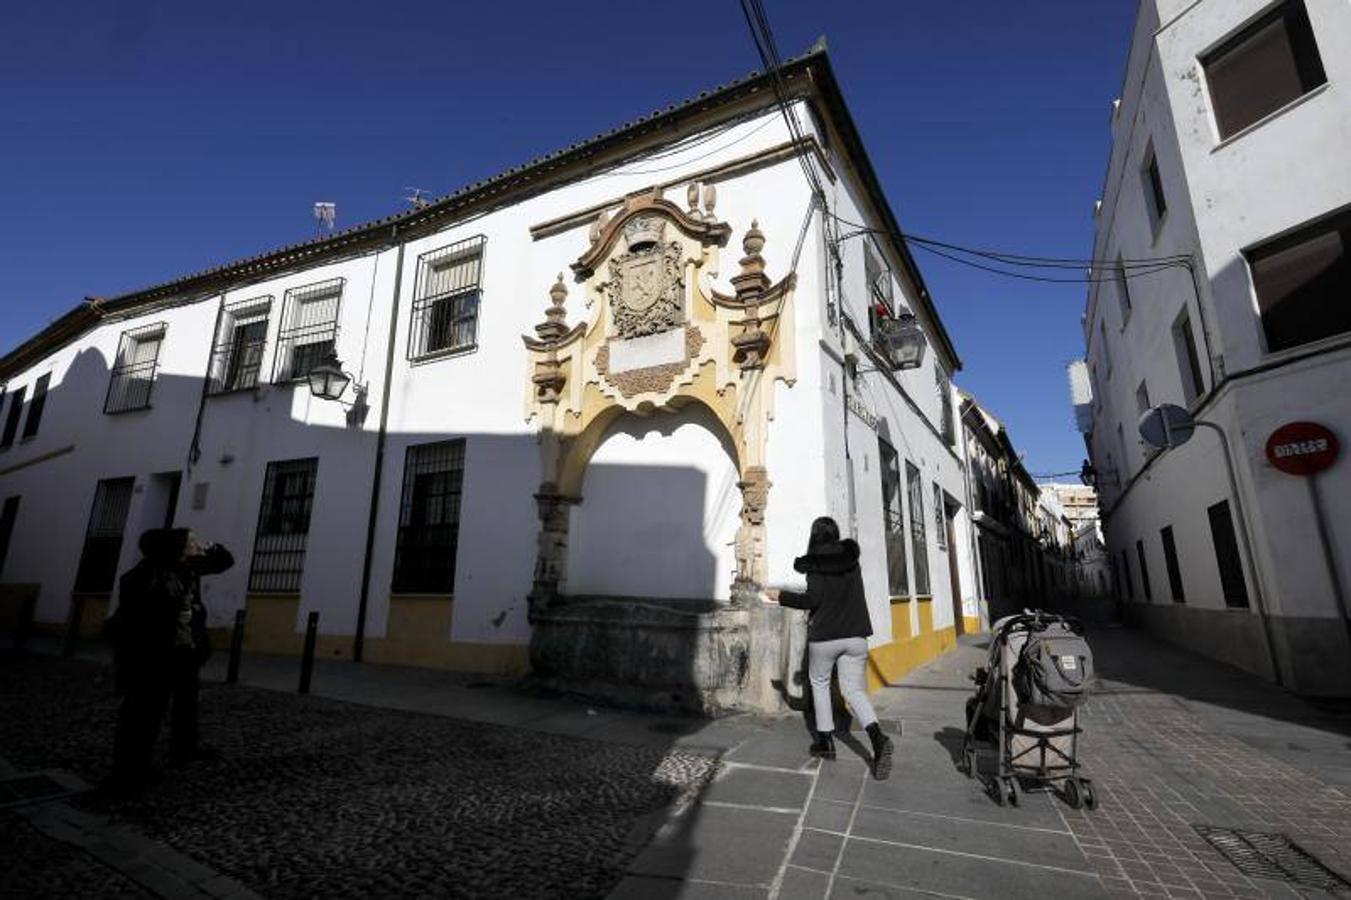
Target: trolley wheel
965	762
995	787
1090	798
1015	793
1073	794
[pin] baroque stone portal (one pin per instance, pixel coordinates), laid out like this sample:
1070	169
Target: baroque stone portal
657	335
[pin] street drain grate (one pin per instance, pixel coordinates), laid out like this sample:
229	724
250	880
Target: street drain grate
30	788
1268	855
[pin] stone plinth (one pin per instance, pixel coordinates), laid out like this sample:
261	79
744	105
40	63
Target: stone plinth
690	655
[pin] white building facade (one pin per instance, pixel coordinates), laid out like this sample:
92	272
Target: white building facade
595	400
1228	202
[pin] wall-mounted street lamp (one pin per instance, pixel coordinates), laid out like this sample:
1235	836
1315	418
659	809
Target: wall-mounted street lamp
328	381
902	340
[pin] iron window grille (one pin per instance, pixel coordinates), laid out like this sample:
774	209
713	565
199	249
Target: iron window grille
36	406
103	537
446	298
919	542
946	422
283	526
940	519
429	518
7	519
893	520
133	376
309	328
241	339
12	420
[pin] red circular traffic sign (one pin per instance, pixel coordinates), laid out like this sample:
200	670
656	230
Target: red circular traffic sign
1302	448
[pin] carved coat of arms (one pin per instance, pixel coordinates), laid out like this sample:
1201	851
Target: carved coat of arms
647	292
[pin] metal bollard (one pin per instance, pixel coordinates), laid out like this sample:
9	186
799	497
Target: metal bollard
73	625
236	648
307	658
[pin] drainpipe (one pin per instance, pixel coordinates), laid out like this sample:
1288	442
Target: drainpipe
359	642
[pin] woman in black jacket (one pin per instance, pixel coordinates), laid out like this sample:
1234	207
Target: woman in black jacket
837	636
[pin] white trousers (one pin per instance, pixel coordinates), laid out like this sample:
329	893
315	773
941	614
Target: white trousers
850	657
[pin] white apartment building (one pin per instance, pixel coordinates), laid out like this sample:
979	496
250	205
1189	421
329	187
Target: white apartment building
595	402
1229	152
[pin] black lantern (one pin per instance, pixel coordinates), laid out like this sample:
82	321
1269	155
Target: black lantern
903	341
1088	475
327	379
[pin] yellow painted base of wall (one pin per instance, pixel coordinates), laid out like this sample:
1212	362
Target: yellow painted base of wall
971	624
889	663
416	634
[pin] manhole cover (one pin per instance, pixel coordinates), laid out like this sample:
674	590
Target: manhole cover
28	788
1268	855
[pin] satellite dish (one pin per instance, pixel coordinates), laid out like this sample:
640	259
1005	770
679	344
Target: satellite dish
1166	425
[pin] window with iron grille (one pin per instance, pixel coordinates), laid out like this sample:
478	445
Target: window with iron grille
134	373
12	420
940	519
893	519
241	338
429	518
446	299
36	406
283	526
103	538
309	329
7	519
919	544
946	422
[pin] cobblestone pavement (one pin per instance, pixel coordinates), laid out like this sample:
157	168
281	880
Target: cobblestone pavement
36	865
315	797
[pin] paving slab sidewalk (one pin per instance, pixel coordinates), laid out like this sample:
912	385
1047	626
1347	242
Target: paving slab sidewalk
1171	741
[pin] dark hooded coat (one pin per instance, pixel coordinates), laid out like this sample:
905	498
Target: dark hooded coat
151	596
834	597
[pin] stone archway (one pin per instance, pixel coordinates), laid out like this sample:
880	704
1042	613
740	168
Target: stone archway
657	338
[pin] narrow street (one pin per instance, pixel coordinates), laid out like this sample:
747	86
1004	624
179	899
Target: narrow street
330	795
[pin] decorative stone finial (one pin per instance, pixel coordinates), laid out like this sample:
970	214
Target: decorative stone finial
710	200
554	325
754	241
692	197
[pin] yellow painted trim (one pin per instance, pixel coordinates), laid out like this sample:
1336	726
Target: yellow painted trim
889	663
970	624
926	618
270	624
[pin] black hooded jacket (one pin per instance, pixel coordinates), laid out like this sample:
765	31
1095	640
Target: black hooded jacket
834	594
154	591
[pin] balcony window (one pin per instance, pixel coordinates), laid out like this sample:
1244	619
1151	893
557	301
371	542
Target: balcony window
97	569
919	544
446	300
241	338
1269	63
283	526
309	328
1303	283
893	520
133	374
429	518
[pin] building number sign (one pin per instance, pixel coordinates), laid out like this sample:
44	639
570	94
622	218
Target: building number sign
1302	448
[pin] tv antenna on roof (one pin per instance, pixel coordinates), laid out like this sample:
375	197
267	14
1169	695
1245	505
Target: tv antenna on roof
326	214
416	197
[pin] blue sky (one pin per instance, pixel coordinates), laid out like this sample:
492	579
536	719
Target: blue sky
140	141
